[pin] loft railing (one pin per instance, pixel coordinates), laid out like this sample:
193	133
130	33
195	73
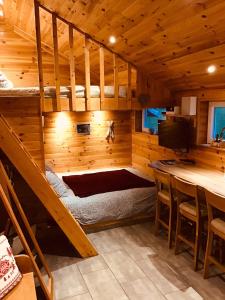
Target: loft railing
76	103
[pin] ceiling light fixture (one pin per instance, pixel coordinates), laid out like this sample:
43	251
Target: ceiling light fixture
211	69
1	2
1	13
112	39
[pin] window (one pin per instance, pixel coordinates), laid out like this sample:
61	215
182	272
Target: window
151	118
216	120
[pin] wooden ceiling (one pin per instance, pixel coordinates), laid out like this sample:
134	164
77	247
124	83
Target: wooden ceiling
174	40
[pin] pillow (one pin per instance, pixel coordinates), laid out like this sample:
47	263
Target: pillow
48	168
9	272
56	183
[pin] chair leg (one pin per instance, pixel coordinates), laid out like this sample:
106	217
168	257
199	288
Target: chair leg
157	217
178	228
197	244
170	229
208	253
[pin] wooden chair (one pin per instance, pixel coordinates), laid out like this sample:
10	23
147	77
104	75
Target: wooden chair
216	226
189	207
164	195
25	290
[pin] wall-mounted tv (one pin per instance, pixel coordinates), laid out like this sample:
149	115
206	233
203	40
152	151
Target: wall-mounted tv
175	134
151	118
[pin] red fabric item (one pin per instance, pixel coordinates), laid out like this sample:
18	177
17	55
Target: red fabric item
102	182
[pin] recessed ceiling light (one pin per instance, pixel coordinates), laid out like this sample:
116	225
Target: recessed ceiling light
112	39
1	2
1	13
211	69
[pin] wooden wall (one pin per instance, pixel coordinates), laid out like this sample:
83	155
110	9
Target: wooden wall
145	149
23	115
153	93
209	156
65	150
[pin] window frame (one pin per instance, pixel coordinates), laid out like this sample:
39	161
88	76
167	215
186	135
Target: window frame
212	106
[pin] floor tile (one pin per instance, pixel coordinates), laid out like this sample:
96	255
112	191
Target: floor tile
122	266
187	294
142	289
102	285
165	278
92	264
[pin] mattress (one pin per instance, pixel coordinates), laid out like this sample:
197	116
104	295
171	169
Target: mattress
112	205
65	91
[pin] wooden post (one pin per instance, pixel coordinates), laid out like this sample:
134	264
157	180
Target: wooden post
116	86
39	53
102	74
87	72
57	105
72	70
128	82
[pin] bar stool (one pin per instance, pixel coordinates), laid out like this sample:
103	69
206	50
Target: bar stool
164	195
216	226
188	207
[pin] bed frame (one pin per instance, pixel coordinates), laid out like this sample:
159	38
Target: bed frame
136	219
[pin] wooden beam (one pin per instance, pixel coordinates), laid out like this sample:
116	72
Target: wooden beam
57	105
45	47
21	159
102	74
129	82
116	79
72	70
87	72
39	52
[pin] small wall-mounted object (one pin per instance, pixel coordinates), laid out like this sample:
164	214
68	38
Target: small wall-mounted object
83	128
189	106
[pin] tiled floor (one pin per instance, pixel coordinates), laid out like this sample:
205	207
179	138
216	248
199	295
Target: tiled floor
132	264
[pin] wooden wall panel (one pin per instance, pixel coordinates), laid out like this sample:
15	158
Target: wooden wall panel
65	150
208	156
151	93
145	150
23	115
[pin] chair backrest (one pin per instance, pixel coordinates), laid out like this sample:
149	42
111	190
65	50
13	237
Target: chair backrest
215	200
185	187
162	177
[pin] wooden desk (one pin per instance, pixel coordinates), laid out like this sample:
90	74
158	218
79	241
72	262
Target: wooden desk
207	178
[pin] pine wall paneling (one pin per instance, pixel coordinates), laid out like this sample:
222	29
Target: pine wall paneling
209	156
23	115
65	150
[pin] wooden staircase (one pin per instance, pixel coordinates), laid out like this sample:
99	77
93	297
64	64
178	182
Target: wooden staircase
32	174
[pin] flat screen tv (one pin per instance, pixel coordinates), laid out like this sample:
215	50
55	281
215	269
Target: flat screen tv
175	134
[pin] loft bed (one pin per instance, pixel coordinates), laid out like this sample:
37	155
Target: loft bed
65	91
116	96
94	102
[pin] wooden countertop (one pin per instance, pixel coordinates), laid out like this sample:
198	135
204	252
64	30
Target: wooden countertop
205	177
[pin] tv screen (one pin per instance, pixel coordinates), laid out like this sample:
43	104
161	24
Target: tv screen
151	118
175	134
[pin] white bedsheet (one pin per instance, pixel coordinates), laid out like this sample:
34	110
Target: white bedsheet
64	91
112	205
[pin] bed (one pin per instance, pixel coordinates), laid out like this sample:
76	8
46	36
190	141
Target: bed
65	91
106	209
